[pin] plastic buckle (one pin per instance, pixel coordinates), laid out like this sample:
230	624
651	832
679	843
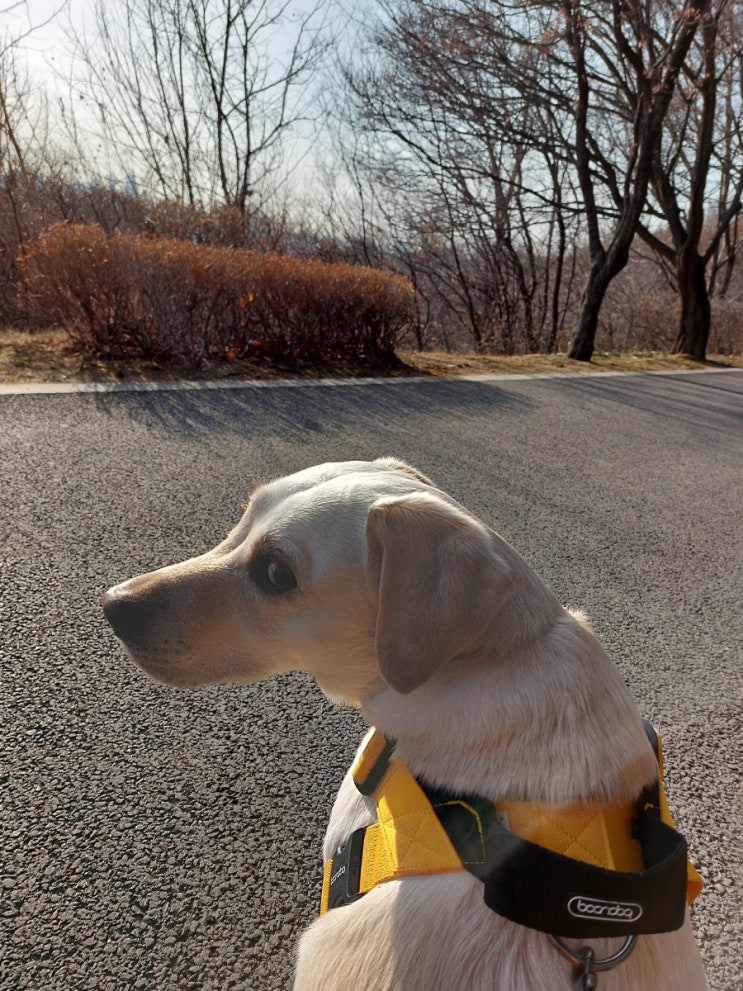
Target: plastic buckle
345	876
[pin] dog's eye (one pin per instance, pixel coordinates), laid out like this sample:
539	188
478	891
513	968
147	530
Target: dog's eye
271	575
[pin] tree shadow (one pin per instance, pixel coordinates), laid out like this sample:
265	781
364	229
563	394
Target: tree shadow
674	396
294	411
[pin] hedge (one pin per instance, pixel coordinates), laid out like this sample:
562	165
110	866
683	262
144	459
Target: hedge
133	295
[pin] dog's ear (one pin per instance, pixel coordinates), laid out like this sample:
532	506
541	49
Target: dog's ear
440	583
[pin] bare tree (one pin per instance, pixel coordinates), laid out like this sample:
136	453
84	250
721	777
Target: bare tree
448	137
23	141
700	161
21	114
197	97
619	64
480	91
14	109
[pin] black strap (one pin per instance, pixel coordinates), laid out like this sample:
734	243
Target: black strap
535	887
543	890
345	874
368	784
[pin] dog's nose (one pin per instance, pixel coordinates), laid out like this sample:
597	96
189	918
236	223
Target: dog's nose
116	609
127	615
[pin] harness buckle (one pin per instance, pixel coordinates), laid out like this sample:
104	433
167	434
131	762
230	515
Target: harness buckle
345	875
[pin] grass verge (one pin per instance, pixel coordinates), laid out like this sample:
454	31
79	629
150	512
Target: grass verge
44	357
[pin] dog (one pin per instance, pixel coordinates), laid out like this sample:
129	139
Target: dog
402	603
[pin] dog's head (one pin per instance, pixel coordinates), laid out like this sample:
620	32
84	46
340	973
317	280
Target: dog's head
354	571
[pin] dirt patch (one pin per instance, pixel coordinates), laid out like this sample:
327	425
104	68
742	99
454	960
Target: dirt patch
45	357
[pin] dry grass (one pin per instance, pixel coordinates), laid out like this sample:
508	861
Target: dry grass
45	356
444	363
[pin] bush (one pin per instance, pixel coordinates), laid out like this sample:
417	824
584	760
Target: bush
133	295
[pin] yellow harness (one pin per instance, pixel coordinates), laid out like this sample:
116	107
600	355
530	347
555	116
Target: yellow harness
410	836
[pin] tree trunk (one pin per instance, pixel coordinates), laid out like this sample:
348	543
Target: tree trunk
584	334
696	312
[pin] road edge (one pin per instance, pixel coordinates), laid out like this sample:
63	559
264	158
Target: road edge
185	385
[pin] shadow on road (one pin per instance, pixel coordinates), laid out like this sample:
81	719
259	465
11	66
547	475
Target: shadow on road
307	409
677	397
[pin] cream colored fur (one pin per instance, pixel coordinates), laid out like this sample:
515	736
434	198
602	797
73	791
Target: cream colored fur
409	607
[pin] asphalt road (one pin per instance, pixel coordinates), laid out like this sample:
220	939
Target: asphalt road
168	840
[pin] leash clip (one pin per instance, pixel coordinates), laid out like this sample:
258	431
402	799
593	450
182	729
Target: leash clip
587	966
585	972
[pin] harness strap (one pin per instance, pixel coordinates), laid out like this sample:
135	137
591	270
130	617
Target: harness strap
543	890
586	870
407	838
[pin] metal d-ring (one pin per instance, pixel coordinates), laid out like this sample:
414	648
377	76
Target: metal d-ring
587	965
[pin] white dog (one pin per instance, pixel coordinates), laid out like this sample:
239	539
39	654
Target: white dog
404	604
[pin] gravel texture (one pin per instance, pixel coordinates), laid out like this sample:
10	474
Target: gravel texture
159	839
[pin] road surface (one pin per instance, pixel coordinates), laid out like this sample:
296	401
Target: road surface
157	839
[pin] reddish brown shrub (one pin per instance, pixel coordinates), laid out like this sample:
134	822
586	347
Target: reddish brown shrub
127	295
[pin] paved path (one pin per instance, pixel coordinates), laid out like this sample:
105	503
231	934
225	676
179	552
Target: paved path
165	840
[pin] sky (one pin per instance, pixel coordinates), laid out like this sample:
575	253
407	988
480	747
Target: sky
48	45
45	44
47	26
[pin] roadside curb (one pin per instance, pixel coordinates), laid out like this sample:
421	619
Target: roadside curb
100	388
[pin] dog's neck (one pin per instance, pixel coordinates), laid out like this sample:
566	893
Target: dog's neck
554	724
